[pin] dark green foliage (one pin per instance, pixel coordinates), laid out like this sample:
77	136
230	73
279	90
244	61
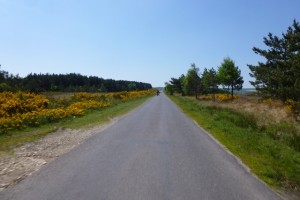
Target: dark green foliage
210	81
279	75
66	83
177	84
229	75
9	82
192	81
132	86
169	89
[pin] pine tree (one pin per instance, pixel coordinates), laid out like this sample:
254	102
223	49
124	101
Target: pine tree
191	83
177	84
279	76
210	81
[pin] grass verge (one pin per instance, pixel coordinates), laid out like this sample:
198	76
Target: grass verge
275	160
16	138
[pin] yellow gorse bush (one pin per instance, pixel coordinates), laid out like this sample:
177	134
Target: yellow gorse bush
11	103
91	104
19	110
272	102
293	107
220	97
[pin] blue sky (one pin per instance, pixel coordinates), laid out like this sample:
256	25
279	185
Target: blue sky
138	40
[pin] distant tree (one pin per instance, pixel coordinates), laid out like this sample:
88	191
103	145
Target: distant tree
102	88
132	86
169	89
191	83
210	81
279	75
177	84
54	87
3	75
4	87
229	75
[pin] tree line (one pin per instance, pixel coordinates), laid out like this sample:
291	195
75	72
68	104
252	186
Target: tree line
66	83
277	77
194	83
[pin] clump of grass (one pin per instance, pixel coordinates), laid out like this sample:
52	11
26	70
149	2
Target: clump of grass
286	132
271	150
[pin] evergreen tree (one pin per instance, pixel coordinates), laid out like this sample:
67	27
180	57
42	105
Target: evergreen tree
169	88
279	76
191	83
177	84
132	86
210	81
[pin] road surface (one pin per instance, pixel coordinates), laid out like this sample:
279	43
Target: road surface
155	152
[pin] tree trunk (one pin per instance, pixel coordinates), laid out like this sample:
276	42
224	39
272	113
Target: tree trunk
231	92
214	94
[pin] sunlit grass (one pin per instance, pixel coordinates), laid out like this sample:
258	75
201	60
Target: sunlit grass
274	160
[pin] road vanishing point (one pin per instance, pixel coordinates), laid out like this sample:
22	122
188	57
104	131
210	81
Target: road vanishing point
153	153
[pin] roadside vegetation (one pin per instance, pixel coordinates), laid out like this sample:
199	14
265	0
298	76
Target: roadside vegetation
37	104
262	129
268	144
25	117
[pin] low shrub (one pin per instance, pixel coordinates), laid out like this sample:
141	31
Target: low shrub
220	97
19	110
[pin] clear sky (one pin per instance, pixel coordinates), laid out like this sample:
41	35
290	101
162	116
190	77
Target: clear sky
137	40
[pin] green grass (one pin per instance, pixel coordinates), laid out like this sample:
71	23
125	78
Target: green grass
12	139
274	160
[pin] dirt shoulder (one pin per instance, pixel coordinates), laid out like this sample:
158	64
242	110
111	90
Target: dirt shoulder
29	158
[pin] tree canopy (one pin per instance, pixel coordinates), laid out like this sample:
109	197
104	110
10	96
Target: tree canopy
229	75
191	82
210	80
279	75
177	84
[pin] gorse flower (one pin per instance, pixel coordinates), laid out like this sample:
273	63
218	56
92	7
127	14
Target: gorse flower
220	97
21	109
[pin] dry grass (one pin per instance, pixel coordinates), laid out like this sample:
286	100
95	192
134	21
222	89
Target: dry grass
268	112
58	95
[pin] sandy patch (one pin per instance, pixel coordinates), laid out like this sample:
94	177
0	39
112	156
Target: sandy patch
30	157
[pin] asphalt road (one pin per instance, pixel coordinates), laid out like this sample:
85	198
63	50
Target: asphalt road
155	152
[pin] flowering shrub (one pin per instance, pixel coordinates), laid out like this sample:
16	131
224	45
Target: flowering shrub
12	103
110	97
293	107
19	110
220	97
88	105
272	102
